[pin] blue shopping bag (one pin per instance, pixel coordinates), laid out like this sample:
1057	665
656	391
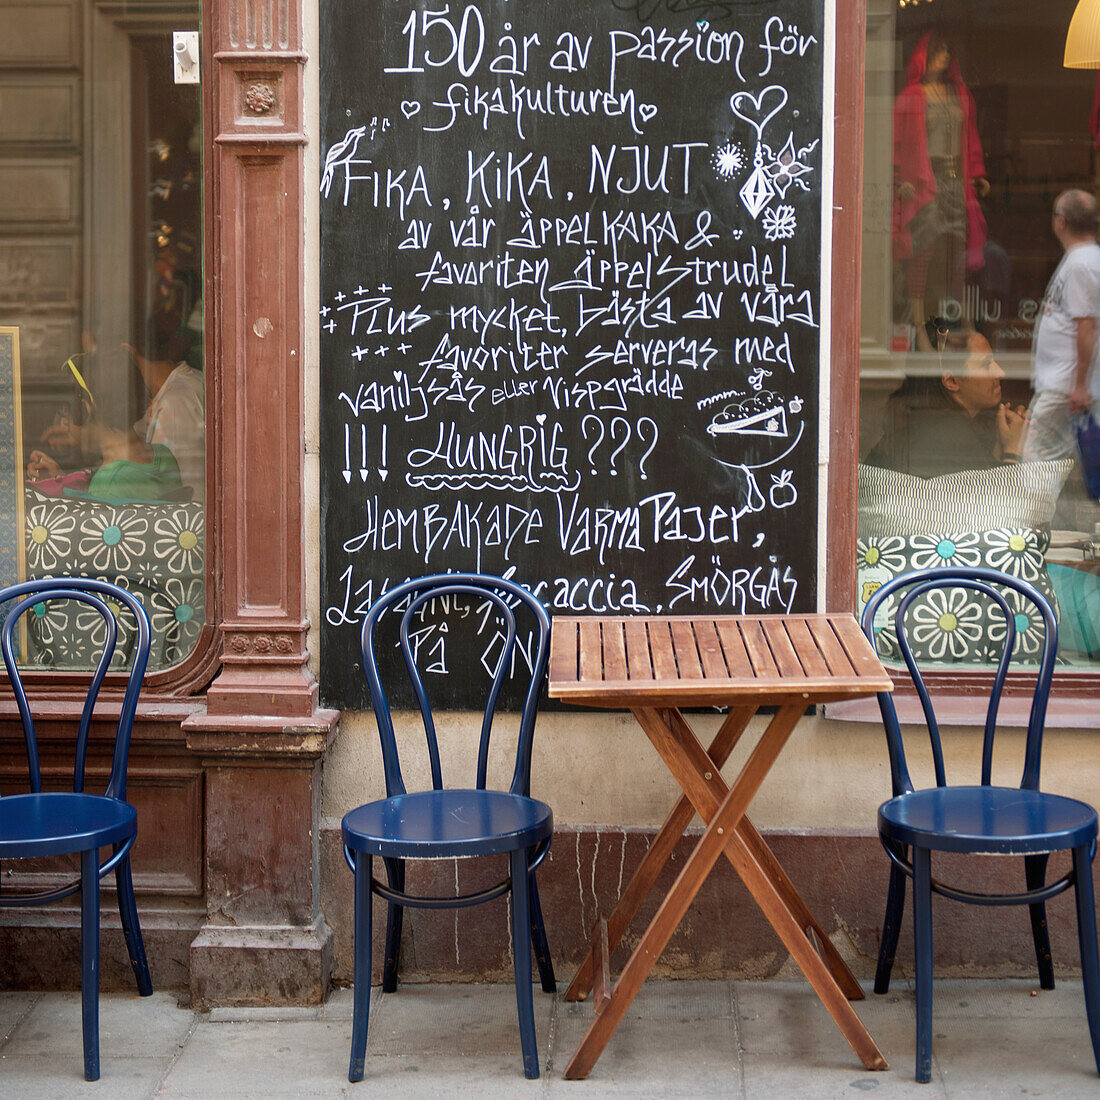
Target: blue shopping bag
1088	446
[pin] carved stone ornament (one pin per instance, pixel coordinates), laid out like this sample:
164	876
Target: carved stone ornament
259	97
242	644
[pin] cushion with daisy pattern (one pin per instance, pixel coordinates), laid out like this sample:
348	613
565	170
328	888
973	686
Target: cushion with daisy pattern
957	625
155	550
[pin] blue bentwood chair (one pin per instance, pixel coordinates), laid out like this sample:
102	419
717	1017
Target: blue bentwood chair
983	819
58	823
453	822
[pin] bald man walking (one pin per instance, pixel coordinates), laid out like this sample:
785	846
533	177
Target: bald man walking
1066	347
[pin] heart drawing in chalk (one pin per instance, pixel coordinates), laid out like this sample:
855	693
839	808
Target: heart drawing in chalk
702	24
410	107
647	111
759	110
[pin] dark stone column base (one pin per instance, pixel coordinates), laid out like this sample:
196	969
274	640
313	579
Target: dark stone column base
260	965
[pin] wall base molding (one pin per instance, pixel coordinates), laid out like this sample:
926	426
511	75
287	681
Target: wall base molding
842	876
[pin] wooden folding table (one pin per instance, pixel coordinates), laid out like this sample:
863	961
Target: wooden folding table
656	665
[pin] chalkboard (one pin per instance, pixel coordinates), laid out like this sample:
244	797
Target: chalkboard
569	308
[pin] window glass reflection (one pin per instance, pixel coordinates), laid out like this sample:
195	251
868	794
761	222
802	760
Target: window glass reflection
102	445
980	310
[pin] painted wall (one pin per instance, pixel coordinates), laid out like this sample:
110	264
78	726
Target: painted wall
599	769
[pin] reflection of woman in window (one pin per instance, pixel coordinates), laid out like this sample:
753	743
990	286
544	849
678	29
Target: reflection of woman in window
953	420
939	175
174	422
129	467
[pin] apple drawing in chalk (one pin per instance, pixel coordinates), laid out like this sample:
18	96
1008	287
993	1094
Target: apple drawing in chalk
782	493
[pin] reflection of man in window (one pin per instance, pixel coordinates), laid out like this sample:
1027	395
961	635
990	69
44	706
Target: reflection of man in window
1065	342
175	417
952	419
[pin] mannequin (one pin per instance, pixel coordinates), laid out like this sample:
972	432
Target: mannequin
939	175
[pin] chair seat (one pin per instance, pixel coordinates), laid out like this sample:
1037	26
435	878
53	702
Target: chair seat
990	820
447	823
55	822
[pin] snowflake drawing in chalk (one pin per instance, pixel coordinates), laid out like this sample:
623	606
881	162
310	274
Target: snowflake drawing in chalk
728	159
787	167
779	224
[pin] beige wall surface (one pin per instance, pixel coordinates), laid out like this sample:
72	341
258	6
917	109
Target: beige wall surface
599	769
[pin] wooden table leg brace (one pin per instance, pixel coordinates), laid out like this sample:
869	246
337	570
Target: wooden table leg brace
657	855
730	833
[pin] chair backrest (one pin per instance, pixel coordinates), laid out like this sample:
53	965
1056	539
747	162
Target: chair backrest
505	597
902	592
93	593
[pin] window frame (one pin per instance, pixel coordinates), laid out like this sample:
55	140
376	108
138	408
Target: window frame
1073	693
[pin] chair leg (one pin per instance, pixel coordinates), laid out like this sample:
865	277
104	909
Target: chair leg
1035	869
1086	933
891	929
521	951
361	992
922	925
538	938
395	915
131	928
89	961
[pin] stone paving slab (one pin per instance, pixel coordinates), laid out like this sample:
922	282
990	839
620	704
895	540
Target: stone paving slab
778	1017
13	1007
654	1057
746	1040
51	1079
129	1026
425	1019
280	1058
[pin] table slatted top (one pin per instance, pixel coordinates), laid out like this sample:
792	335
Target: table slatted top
711	660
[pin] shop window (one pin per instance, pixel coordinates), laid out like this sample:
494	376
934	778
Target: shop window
101	307
974	136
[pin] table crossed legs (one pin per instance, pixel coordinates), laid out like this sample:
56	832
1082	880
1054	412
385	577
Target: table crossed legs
730	833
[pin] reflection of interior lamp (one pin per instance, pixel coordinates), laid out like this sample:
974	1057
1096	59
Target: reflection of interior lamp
1083	39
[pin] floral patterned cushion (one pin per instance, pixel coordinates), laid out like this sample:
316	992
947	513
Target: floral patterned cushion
154	550
957	625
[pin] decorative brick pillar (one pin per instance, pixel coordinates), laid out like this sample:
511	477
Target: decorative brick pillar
261	736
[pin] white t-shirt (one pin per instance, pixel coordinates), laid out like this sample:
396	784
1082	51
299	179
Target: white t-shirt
1073	292
177	419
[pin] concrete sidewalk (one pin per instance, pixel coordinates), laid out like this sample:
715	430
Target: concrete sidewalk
680	1039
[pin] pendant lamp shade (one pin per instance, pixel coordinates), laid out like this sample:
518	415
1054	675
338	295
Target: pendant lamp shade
1083	39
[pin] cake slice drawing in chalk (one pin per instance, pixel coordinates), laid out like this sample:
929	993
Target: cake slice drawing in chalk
770	422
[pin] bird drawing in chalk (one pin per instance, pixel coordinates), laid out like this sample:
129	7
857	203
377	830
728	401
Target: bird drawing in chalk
341	154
